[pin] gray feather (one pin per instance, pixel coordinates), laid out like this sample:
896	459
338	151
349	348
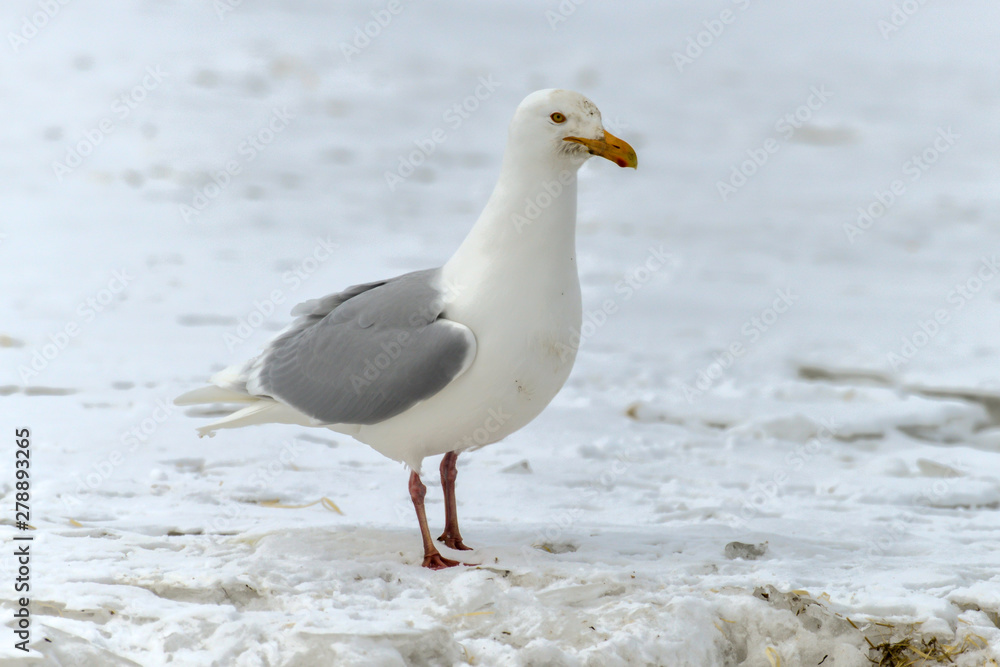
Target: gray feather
368	353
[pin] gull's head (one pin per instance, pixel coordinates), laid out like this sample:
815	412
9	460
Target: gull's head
565	127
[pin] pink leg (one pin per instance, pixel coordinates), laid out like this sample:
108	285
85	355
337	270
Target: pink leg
451	537
432	558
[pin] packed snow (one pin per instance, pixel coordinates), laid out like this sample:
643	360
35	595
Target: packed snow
779	442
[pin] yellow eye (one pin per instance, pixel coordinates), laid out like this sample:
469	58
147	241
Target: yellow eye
558	117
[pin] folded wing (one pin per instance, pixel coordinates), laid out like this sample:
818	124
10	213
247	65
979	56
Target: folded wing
365	354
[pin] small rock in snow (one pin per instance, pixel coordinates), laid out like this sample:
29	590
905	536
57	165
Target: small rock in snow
745	551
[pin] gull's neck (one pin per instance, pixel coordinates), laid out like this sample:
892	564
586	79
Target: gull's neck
527	227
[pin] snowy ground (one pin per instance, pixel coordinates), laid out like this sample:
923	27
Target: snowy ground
793	377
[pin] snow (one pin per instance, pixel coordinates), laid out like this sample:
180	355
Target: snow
828	395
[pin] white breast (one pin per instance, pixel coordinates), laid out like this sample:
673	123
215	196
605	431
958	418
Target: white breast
525	349
513	282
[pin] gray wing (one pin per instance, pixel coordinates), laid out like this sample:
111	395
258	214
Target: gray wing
366	354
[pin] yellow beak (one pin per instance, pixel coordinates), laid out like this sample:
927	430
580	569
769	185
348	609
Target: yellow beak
611	147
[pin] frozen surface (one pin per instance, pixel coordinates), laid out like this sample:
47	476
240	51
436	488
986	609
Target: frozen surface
823	390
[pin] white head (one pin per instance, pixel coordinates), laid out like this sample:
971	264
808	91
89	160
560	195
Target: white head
563	127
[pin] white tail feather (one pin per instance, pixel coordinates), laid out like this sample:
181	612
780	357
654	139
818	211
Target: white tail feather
262	411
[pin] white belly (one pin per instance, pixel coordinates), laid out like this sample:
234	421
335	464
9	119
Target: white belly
526	337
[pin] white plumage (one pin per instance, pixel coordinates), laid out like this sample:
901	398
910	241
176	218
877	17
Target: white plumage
473	351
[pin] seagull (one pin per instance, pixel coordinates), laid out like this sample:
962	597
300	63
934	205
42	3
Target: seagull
445	360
